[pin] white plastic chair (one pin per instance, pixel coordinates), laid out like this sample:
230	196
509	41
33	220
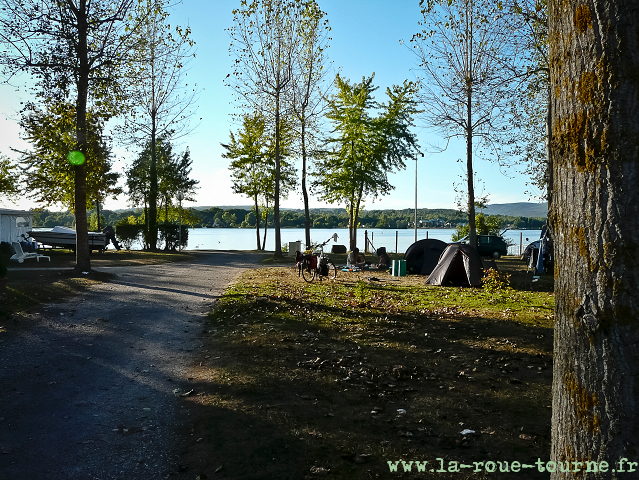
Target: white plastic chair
20	256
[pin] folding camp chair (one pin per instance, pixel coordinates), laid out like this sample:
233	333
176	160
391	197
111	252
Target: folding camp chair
20	256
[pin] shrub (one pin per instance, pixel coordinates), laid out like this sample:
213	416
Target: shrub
128	234
169	234
495	284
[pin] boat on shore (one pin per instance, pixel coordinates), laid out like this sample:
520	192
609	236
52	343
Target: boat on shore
64	237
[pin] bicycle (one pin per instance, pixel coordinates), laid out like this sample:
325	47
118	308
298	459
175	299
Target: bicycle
317	264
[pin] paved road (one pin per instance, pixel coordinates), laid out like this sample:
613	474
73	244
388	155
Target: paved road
90	388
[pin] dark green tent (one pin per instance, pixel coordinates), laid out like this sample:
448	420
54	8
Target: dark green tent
423	255
459	265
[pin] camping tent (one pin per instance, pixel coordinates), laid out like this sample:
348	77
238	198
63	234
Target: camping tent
14	223
423	255
459	265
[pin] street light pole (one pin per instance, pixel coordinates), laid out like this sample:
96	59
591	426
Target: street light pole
416	193
180	197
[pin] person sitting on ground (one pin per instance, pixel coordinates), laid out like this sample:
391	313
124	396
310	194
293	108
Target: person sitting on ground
356	259
384	259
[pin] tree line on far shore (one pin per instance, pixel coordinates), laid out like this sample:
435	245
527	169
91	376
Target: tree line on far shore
320	218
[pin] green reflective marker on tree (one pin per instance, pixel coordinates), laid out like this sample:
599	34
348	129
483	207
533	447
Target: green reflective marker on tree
76	158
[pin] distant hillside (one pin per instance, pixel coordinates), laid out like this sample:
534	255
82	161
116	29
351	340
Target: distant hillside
223	207
521	209
249	207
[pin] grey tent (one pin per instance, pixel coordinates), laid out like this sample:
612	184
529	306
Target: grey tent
459	265
423	255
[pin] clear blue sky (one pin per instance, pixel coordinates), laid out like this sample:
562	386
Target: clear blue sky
366	38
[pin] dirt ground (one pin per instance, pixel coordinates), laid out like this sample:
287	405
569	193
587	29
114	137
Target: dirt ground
95	387
133	379
289	387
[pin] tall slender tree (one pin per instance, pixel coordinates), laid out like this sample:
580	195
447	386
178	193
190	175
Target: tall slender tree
594	60
365	148
247	153
466	60
160	98
264	41
253	167
173	175
309	91
73	48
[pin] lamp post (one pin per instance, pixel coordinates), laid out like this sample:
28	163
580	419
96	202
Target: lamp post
416	192
180	197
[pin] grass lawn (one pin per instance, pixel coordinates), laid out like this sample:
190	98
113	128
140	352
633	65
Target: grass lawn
340	377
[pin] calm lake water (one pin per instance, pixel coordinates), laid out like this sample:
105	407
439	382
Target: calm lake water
244	238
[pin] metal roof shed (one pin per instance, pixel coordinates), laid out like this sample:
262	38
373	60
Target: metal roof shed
14	223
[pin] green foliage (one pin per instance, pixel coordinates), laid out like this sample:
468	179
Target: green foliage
49	178
131	220
253	167
364	148
252	155
93	222
496	285
52	219
494	281
169	234
265	38
320	218
9	179
128	234
172	176
485	225
361	291
72	49
230	219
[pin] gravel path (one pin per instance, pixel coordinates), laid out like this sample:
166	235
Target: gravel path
91	388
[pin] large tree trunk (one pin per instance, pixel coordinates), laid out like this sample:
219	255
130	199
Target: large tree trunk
549	182
265	227
257	222
146	222
82	251
594	58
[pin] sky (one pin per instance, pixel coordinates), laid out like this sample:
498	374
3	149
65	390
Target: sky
366	39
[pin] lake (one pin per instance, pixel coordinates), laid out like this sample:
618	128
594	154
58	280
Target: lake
244	238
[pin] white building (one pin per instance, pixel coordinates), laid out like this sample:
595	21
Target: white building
14	223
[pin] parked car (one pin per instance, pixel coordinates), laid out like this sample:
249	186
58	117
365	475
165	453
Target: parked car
490	245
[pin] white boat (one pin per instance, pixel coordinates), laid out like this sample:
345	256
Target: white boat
64	237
